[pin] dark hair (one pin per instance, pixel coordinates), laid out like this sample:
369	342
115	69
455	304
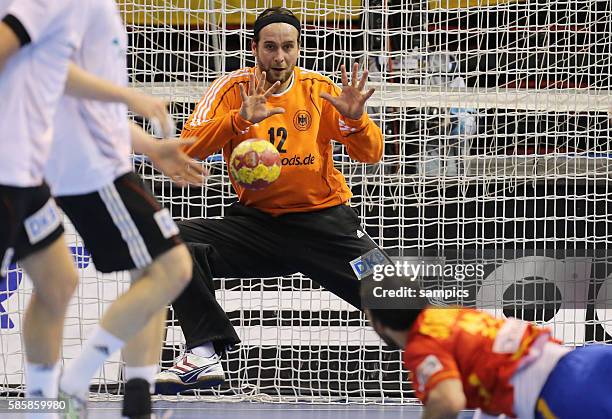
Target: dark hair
395	319
399	316
273	15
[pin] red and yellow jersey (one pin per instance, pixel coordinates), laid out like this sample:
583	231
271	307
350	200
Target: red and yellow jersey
470	345
302	135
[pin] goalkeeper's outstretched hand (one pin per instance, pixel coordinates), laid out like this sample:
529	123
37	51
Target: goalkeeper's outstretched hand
351	102
255	102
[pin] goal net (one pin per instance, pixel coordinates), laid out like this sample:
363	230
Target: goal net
497	133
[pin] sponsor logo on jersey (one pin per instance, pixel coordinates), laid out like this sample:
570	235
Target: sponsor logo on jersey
166	224
364	265
43	222
298	160
428	367
302	120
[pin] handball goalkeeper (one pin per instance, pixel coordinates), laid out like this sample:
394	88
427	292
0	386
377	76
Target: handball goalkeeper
300	223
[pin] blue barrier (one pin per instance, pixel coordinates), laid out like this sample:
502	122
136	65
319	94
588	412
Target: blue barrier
10	283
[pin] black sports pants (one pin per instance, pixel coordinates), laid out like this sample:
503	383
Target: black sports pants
250	243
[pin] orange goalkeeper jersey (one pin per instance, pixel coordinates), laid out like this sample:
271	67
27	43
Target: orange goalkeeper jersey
302	135
470	345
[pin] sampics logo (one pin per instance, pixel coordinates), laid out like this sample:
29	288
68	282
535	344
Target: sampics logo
298	160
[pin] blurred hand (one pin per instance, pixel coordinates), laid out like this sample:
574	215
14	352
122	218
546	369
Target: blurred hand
351	102
168	157
255	103
152	108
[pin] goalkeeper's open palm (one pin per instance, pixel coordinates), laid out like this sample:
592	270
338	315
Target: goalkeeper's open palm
351	102
255	103
169	158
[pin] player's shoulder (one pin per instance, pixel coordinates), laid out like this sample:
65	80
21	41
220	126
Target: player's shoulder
240	75
314	77
232	78
227	82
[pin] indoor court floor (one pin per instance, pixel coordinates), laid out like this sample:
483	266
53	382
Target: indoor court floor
250	410
247	410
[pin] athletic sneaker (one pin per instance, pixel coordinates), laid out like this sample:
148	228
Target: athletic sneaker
76	408
190	372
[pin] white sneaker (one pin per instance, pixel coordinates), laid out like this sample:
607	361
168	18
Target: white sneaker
190	372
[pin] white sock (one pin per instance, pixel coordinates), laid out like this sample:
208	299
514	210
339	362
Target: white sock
207	350
146	373
81	370
42	380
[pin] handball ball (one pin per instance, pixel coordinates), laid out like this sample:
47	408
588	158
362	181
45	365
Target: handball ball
255	164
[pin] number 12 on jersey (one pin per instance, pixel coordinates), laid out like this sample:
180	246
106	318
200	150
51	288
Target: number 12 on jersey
281	133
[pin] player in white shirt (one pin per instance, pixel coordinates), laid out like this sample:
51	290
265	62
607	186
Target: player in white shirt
37	39
122	224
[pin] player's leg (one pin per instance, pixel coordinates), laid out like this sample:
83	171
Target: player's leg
141	355
200	316
248	243
54	278
206	327
161	282
579	386
144	349
329	247
34	226
125	228
142	352
243	244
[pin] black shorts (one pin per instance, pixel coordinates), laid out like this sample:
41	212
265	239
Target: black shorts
122	224
29	221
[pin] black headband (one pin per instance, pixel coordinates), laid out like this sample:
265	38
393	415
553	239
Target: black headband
274	18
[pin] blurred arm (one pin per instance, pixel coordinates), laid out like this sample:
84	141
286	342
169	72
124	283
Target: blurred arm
12	37
84	85
168	157
445	400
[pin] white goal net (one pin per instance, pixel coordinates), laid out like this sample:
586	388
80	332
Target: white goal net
497	138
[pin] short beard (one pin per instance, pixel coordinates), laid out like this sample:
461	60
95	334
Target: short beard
269	77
